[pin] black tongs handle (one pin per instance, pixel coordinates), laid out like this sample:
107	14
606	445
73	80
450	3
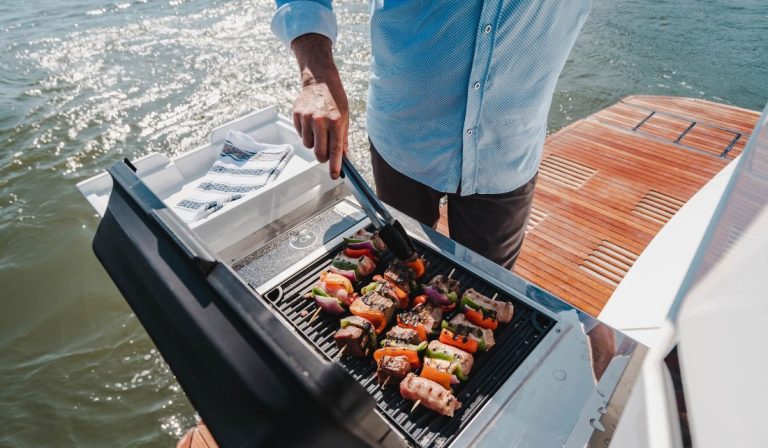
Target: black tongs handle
375	210
390	230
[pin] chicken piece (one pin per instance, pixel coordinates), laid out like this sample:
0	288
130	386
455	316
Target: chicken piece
400	335
437	349
394	368
432	395
401	275
355	340
504	310
486	334
426	314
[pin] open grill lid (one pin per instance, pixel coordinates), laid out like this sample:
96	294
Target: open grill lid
247	374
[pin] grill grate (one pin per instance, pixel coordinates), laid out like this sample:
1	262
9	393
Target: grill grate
422	427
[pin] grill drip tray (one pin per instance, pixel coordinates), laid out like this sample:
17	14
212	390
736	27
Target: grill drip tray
514	342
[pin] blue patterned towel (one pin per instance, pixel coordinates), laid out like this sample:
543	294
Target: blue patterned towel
244	166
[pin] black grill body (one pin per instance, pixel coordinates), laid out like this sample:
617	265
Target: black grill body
514	342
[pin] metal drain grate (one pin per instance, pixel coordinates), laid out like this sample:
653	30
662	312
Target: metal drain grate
535	218
566	172
658	207
514	342
609	262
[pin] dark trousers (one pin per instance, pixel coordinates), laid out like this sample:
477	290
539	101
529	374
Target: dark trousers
492	225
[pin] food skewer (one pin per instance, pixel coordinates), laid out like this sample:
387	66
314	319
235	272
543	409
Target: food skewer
341	352
384	384
450	275
415	405
315	315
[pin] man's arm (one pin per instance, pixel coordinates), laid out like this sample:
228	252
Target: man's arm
321	110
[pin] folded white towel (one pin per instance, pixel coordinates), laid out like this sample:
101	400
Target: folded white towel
244	166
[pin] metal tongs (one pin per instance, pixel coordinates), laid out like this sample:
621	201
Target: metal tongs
390	230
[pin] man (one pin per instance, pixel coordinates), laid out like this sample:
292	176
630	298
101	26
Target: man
457	104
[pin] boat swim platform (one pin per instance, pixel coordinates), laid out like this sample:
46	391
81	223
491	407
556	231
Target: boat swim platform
608	183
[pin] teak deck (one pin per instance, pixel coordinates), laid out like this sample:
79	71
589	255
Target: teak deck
608	183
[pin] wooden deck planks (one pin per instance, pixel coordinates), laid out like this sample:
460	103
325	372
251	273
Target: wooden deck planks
197	437
609	182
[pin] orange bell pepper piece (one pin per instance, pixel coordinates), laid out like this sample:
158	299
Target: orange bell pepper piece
420	330
417	265
477	318
413	357
377	318
438	376
418	300
462	342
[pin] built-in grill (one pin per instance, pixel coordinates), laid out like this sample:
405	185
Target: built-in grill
421	427
238	337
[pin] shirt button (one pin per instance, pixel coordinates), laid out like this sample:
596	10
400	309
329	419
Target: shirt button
476	86
469	131
487	29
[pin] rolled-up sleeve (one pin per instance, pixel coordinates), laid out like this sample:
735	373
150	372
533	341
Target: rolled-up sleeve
294	18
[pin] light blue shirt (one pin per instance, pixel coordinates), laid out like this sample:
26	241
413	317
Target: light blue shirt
460	89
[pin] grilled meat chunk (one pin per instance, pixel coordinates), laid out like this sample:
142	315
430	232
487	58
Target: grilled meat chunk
484	334
354	339
504	310
362	266
445	285
432	395
464	360
382	288
374	307
364	235
401	275
426	315
393	367
402	335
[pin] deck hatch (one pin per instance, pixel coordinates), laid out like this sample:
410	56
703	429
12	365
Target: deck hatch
609	262
536	217
658	207
566	172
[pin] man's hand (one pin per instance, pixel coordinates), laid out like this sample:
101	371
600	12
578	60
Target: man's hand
321	111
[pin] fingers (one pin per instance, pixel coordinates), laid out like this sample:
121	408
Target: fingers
320	129
336	147
307	131
297	122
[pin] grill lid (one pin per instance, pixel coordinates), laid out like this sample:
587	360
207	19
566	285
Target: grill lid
247	374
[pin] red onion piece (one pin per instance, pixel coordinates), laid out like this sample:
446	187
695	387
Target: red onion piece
362	245
350	275
454	379
436	296
329	304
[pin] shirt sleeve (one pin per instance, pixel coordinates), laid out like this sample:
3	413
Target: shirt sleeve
295	18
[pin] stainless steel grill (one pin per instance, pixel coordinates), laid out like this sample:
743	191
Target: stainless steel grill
422	427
